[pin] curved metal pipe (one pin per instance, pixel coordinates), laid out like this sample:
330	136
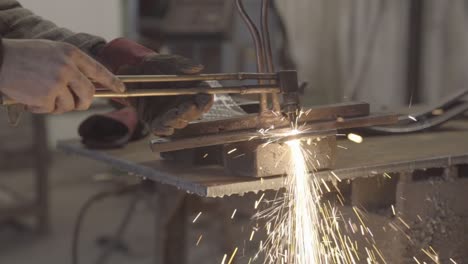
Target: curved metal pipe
267	50
268	54
259	50
255	36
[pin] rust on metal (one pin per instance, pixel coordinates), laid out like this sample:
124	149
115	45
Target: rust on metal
172	144
254	121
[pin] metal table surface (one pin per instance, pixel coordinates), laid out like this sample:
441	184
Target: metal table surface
444	147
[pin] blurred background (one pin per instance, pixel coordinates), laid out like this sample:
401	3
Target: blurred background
389	53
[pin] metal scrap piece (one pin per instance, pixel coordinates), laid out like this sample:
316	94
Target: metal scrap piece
254	121
317	128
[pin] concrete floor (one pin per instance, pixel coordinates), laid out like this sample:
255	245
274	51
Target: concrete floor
73	180
71	183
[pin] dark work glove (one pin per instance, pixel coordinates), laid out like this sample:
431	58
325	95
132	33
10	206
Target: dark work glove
162	114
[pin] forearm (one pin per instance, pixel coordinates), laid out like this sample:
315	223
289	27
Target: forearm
19	23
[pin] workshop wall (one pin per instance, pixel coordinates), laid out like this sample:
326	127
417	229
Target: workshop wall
358	49
349	49
101	17
445	50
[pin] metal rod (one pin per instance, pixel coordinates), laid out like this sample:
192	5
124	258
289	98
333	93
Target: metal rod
201	77
246	89
250	89
268	54
258	49
255	35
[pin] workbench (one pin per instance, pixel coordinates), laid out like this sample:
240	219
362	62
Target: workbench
376	155
445	147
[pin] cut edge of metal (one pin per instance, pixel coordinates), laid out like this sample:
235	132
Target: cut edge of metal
314	128
254	121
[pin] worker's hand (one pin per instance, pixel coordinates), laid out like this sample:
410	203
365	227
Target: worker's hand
163	114
51	77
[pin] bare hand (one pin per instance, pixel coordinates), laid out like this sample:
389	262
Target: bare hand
51	77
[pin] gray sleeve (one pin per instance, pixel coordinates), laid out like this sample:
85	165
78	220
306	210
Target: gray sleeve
17	22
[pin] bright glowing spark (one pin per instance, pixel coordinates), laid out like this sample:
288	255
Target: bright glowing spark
453	261
326	185
393	210
224	259
404	223
387	175
432	255
233	213
379	253
233	256
413	118
393	227
199	239
252	235
355	138
232	151
304	229
336	176
206	155
196	218
295	237
257	203
306	215
417	261
356	211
